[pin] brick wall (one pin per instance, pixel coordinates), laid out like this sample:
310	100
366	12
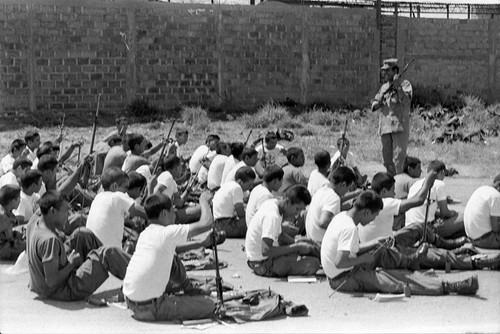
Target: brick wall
59	54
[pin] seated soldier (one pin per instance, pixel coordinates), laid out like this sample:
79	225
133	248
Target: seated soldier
103	146
319	176
32	140
347	159
228	200
326	203
167	186
55	274
412	169
270	153
248	158
134	225
293	169
156	275
107	213
16	148
352	267
11	242
235	157
482	216
202	157
116	154
31	182
272	179
446	223
270	252
52	148
137	144
21	165
214	177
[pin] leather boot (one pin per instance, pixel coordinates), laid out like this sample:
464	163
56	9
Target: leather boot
412	261
468	286
440	242
490	262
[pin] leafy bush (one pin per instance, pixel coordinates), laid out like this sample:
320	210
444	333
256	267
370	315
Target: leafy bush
141	109
197	117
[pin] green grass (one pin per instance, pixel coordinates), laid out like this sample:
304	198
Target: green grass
317	129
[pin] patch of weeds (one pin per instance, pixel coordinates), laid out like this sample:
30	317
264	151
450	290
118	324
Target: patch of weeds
141	109
320	116
269	114
197	117
308	131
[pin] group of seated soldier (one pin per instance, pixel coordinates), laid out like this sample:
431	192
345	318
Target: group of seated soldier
140	215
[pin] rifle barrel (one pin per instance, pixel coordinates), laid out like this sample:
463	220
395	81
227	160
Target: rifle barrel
94	126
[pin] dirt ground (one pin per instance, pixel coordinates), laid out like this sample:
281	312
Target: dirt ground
22	312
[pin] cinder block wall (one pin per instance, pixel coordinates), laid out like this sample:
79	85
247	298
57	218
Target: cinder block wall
59	54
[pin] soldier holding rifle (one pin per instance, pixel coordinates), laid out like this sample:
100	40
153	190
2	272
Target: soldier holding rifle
393	100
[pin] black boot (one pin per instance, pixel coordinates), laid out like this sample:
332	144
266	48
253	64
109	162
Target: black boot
490	262
440	242
465	287
412	261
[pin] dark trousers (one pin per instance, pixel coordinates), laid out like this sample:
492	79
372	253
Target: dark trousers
233	226
285	265
490	240
361	279
171	307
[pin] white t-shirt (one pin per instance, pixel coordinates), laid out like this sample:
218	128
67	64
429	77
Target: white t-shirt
316	181
274	156
228	166
232	173
31	155
325	199
381	226
198	155
43	189
341	235
350	161
215	171
9	178
266	223
27	206
6	164
258	195
35	164
417	214
144	171
167	180
225	198
203	173
106	217
149	269
483	203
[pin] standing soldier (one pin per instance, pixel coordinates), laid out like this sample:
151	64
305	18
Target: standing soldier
393	99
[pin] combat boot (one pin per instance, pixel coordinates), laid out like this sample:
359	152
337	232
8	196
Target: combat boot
468	286
412	261
490	262
440	242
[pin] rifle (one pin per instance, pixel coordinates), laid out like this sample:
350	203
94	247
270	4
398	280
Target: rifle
341	160
162	153
424	232
218	279
248	137
263	153
61	129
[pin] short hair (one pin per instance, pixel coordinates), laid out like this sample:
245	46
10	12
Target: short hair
212	137
21	162
342	174
119	119
136	180
237	149
382	181
8	193
46	148
17	144
436	166
221	146
370	200
114	139
134	139
298	194
155	204
270	135
112	175
273	172
245	174
181	131
248	152
51	199
293	152
31	135
339	141
47	162
29	178
410	162
322	159
171	162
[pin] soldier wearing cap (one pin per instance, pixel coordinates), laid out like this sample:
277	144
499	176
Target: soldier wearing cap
393	100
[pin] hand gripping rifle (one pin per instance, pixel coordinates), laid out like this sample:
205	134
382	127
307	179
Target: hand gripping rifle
162	153
393	87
